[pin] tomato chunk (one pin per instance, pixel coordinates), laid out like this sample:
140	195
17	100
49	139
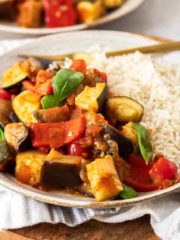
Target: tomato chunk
55	135
137	175
162	171
79	65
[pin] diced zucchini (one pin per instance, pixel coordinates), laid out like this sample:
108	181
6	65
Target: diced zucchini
6	156
28	167
25	104
14	75
92	98
17	136
124	109
103	178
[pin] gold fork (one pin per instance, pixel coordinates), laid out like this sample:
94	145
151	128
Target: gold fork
162	47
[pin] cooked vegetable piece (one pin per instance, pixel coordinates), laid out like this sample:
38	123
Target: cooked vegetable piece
13	117
6	156
28	167
58	16
143	142
65	82
112	3
40	63
137	175
53	154
89	11
124	109
25	104
30	13
5	107
1	135
93	76
119	162
55	114
129	132
103	178
61	171
50	101
14	75
125	145
5	94
128	192
78	150
17	136
79	65
164	172
92	98
87	57
7	10
4	120
56	134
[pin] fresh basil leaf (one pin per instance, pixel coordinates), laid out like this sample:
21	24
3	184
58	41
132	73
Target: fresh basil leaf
1	135
50	101
128	192
65	82
143	142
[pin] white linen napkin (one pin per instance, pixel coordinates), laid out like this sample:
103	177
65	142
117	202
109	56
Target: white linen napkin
17	211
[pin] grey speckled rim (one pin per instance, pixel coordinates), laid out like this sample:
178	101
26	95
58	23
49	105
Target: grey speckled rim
127	7
64	43
78	202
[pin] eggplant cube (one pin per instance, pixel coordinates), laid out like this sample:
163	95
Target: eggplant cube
6	156
17	136
60	172
103	178
125	145
28	167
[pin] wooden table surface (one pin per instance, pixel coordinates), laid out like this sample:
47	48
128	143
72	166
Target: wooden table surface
139	229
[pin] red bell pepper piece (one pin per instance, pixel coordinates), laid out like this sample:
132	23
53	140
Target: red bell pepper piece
138	176
43	89
162	171
59	13
79	65
55	135
5	94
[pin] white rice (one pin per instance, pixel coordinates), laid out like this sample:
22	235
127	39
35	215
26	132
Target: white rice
156	85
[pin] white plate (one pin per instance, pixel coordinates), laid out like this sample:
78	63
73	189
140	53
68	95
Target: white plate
127	7
64	43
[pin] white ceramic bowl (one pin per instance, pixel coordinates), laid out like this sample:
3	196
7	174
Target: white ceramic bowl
127	7
72	42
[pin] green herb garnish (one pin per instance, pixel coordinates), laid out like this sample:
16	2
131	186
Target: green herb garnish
143	142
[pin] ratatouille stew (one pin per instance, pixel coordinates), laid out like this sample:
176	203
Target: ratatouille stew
64	128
